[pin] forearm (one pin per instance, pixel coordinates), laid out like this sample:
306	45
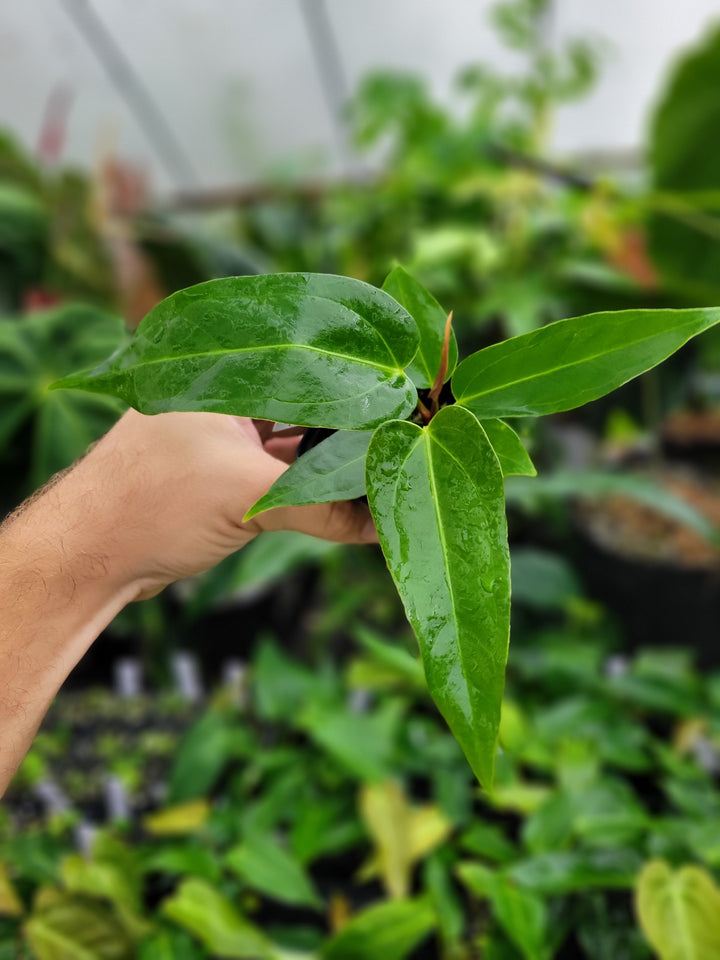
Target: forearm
59	588
158	499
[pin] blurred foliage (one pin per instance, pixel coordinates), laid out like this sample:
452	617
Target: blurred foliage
320	809
316	817
465	198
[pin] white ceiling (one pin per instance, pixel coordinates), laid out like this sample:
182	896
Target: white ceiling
239	86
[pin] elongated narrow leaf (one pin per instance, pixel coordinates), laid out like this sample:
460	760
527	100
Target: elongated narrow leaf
430	318
571	362
679	911
514	458
333	470
437	498
302	348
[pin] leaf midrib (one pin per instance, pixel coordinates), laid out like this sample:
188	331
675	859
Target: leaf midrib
268	346
565	366
685	937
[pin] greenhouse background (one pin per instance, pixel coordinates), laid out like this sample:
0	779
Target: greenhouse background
250	764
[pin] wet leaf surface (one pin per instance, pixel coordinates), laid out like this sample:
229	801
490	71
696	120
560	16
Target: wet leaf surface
570	362
437	498
430	318
333	470
307	349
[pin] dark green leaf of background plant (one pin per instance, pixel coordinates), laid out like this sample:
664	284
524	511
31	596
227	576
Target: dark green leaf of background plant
333	470
436	495
514	458
388	930
267	867
430	318
684	221
570	362
522	914
308	349
34	351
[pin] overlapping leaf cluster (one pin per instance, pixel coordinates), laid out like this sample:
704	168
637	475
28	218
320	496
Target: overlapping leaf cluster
325	351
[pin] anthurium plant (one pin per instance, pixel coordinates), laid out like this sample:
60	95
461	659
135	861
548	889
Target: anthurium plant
420	434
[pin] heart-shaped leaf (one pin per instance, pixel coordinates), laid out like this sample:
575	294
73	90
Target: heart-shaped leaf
333	470
570	362
430	318
679	911
301	348
436	495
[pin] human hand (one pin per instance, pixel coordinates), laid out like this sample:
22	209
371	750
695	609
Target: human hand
167	493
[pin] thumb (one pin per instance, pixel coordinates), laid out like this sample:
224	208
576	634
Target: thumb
342	521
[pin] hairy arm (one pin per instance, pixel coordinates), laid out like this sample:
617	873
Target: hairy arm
156	500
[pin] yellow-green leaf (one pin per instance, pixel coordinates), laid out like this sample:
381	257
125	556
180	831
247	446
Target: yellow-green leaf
10	903
181	818
402	834
679	911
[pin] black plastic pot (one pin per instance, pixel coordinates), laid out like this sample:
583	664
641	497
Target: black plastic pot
658	604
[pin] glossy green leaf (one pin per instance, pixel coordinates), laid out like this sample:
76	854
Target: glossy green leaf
389	930
198	907
267	867
514	458
430	318
679	911
570	362
333	470
436	495
302	348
